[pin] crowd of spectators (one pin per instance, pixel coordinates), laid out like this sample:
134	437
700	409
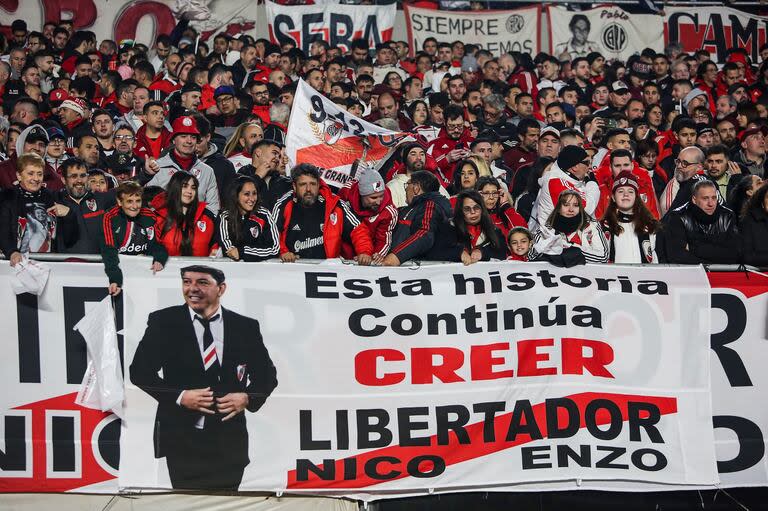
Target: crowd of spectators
179	150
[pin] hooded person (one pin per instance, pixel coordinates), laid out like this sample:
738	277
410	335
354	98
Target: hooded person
569	172
371	201
33	139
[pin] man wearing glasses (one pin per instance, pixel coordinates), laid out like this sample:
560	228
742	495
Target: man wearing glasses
689	170
122	163
230	116
453	143
88	207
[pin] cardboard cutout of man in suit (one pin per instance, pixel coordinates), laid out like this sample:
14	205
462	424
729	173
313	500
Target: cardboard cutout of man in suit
214	365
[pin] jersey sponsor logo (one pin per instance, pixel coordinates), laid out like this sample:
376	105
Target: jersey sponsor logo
310	243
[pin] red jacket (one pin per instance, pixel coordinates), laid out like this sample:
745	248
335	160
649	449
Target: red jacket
336	216
505	217
203	235
206	99
165	85
604	177
263	112
527	82
380	224
442	145
143	148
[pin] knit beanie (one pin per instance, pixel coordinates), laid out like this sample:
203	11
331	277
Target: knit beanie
625	178
369	182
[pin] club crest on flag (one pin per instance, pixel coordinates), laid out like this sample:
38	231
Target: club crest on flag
332	131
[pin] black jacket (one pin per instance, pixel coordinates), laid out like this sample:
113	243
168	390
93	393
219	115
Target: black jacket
685	192
222	169
89	213
690	236
170	344
17	208
754	235
418	225
447	246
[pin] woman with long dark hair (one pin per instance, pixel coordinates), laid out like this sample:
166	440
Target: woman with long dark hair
246	230
471	235
502	213
629	227
743	191
754	228
570	236
184	225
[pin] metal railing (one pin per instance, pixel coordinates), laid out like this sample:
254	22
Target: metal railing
96	258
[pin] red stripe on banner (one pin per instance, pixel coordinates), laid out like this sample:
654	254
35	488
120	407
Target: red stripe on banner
454	452
748	283
344	152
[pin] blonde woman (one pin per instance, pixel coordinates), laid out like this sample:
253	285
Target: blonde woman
238	149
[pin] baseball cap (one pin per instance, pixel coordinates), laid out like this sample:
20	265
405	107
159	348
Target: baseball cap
753	131
191	87
619	87
37	133
549	130
185	125
224	90
57	96
55	132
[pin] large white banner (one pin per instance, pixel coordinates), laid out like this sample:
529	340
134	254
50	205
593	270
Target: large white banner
395	381
716	29
496	31
50	444
128	19
609	30
321	133
336	24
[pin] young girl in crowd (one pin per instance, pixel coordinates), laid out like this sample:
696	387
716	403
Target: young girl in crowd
629	227
246	231
184	225
519	244
570	236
